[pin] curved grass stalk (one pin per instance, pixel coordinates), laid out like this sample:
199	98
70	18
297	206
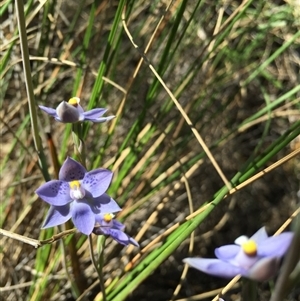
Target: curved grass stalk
29	88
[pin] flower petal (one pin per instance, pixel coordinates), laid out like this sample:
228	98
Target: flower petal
97	181
71	170
105	204
49	111
275	246
81	111
133	242
264	269
227	252
55	192
94	113
241	240
100	119
83	217
260	235
214	267
68	113
118	225
121	237
57	216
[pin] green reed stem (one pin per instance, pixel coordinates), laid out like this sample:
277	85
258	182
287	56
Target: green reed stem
29	88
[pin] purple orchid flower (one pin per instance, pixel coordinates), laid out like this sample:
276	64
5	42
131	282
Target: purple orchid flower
106	225
79	195
256	258
71	112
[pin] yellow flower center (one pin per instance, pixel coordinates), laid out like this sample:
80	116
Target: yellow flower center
74	184
74	101
250	248
76	192
108	217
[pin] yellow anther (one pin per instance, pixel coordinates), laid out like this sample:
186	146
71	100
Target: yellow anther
74	101
250	247
74	184
108	217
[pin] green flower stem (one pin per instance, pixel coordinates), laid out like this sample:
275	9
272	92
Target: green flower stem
29	88
74	287
98	268
101	265
80	152
78	142
249	291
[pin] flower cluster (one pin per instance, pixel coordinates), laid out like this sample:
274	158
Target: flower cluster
78	194
256	258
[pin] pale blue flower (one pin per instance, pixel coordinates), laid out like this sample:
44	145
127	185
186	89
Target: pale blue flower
79	195
256	258
106	225
71	112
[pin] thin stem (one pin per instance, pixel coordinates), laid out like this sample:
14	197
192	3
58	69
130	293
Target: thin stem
101	264
249	291
34	242
73	283
99	269
78	142
29	88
